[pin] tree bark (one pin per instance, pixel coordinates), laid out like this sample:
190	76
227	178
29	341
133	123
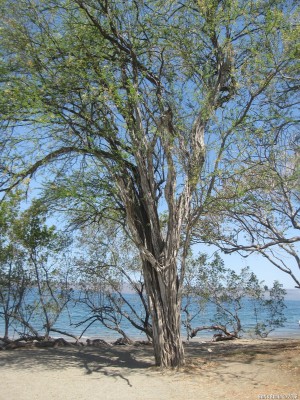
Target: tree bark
165	304
6	327
160	274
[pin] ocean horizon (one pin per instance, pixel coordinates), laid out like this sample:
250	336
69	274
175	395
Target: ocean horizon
76	312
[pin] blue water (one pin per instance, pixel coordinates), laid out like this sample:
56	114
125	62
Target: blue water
78	312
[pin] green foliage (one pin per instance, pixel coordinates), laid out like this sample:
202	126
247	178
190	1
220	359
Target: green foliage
272	308
35	235
14	278
209	282
98	96
80	71
34	285
166	105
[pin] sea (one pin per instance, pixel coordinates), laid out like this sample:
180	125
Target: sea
76	312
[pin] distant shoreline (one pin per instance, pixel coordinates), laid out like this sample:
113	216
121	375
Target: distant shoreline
292	294
206	336
197	339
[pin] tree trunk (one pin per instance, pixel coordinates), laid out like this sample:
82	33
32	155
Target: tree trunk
6	327
159	262
165	305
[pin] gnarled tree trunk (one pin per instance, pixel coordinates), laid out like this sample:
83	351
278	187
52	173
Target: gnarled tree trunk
165	305
159	263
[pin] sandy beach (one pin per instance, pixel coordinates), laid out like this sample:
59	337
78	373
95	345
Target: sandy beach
241	369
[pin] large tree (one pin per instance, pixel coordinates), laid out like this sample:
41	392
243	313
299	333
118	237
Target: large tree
149	106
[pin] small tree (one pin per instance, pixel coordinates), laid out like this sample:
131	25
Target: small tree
14	279
230	293
46	252
269	310
14	285
34	270
110	267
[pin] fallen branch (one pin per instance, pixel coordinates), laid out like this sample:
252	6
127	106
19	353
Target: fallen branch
65	334
225	335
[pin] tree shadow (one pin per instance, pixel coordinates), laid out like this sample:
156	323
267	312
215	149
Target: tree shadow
113	361
227	352
239	348
231	361
118	361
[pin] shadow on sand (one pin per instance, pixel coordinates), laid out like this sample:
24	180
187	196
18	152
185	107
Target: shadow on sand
117	361
111	361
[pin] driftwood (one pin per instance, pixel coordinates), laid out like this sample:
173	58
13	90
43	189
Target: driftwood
97	342
41	342
142	343
219	337
65	333
225	335
60	342
30	343
28	338
123	341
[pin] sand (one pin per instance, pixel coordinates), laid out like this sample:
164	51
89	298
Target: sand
241	369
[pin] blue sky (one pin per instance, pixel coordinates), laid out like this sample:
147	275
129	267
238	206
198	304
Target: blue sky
264	270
